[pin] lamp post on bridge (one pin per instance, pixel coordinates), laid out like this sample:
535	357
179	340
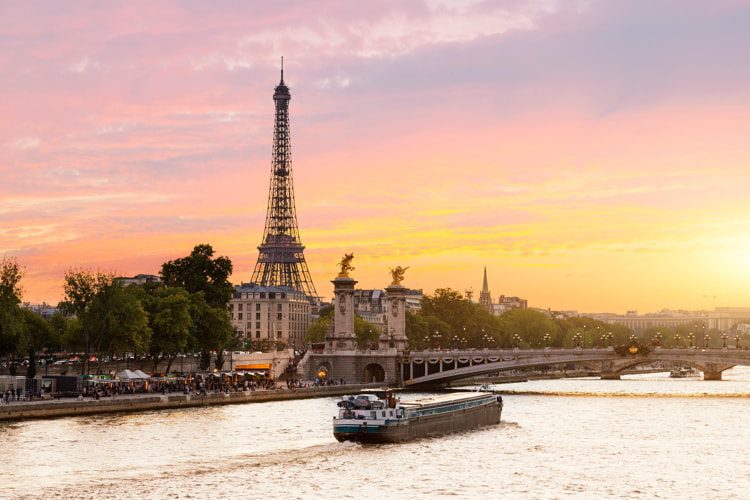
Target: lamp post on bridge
691	337
436	338
737	341
546	340
706	338
657	339
517	340
577	340
723	340
486	339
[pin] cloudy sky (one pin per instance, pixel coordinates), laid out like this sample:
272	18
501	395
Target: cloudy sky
594	155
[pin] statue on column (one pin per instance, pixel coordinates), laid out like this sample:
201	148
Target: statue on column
346	265
397	274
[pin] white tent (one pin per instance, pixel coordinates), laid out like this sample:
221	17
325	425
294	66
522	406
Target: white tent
141	374
127	375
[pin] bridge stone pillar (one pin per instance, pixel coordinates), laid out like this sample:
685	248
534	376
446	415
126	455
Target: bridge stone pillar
608	371
341	337
712	371
396	316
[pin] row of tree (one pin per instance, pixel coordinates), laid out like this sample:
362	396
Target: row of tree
448	320
186	312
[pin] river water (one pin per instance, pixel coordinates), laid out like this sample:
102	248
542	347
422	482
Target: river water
645	436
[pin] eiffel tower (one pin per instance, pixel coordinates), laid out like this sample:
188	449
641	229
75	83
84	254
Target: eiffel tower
281	261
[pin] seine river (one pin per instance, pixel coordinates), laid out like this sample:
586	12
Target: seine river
645	436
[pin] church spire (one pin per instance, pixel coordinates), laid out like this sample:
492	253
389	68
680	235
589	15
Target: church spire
485	298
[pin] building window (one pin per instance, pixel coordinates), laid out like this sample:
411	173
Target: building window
257	325
239	316
271	295
278	335
257	306
257	316
279	316
262	295
257	335
239	306
278	307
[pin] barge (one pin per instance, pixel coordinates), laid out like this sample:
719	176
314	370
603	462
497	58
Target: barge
380	417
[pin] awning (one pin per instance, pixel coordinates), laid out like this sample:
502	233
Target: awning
256	366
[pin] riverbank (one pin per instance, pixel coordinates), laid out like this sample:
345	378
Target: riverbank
149	402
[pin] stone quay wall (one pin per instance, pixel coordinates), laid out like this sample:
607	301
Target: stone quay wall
75	407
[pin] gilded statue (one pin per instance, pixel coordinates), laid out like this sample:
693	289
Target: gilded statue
346	265
397	274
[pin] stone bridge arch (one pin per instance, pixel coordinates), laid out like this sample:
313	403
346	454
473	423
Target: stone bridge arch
373	372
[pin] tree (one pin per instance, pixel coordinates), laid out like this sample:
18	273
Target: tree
318	330
170	322
198	272
212	330
529	325
12	331
365	332
80	287
37	335
117	320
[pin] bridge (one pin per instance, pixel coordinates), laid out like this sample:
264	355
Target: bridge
423	369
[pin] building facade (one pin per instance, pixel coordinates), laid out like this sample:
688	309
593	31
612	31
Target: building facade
270	314
370	304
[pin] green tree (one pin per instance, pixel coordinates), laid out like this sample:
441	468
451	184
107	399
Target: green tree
199	272
12	328
117	320
365	332
529	325
38	334
318	330
168	310
80	288
211	331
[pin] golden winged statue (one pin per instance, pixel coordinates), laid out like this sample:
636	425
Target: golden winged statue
346	265
397	274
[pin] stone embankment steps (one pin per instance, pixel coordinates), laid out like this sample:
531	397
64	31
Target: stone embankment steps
68	408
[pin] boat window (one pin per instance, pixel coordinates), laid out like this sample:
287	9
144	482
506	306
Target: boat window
384	414
374	414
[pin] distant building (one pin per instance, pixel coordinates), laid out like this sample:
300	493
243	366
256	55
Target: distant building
370	305
507	303
504	303
663	319
271	313
138	279
45	310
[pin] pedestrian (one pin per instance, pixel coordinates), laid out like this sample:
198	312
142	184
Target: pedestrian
18	394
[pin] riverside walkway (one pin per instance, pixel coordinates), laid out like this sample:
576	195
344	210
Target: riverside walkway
55	408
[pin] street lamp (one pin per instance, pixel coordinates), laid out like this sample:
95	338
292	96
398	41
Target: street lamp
723	340
436	338
577	339
546	339
706	338
691	337
657	339
677	340
737	341
517	340
486	339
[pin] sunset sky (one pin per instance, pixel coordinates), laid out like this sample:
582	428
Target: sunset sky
594	155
